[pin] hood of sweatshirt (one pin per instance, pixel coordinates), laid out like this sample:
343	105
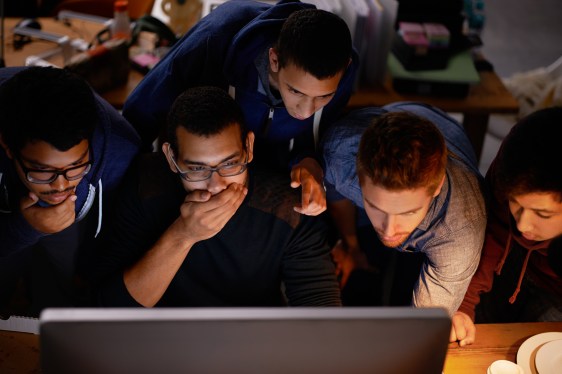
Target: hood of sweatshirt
92	183
529	245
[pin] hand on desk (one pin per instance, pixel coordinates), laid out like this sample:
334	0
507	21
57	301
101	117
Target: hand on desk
463	329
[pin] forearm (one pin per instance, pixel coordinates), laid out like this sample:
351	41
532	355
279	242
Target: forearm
447	272
149	278
430	292
343	215
308	271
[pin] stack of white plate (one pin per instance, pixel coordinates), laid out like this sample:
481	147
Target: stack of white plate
541	354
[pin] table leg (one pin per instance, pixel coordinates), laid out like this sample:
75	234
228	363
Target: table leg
475	126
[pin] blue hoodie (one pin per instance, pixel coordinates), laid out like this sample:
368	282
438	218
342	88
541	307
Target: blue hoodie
113	146
221	50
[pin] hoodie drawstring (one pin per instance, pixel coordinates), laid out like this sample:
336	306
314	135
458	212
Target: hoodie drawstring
514	296
523	268
100	208
505	253
316	127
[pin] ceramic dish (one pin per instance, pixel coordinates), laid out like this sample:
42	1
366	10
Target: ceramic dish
549	358
527	352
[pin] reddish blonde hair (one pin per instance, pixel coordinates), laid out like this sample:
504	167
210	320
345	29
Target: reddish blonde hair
402	151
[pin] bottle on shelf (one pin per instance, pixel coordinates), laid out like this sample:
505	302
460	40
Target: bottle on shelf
121	25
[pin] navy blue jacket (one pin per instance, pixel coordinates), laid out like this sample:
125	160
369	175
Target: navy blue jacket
113	146
220	50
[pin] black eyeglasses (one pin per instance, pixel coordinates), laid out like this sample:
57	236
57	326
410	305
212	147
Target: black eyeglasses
49	176
197	173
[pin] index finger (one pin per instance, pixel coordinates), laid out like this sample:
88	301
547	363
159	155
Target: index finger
197	196
470	336
306	192
224	204
295	177
230	195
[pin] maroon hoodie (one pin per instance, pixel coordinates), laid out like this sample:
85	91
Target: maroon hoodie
501	236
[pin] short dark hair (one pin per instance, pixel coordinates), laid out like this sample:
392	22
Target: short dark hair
400	151
204	111
48	104
315	40
529	157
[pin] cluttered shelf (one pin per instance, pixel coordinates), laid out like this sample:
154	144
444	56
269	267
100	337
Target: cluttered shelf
487	97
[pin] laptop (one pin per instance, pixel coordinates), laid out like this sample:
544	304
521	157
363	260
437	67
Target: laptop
244	340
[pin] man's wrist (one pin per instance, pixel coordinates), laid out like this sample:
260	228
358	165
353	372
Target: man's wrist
351	244
313	167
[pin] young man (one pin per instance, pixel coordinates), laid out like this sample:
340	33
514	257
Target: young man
290	67
417	181
519	278
200	228
63	151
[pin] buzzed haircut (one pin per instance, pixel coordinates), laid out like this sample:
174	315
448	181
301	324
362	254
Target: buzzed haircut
317	41
204	111
401	151
46	104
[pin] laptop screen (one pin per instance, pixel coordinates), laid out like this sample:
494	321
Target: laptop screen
244	340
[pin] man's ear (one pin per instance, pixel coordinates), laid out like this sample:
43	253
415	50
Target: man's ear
250	145
6	149
438	189
273	60
167	149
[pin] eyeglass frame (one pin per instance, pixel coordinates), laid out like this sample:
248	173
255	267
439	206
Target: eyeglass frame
27	170
217	169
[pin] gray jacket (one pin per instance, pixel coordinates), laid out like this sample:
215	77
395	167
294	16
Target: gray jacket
452	233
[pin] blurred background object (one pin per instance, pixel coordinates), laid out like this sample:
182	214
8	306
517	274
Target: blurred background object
519	37
182	14
103	8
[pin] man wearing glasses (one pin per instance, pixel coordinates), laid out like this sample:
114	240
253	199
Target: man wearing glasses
197	226
63	151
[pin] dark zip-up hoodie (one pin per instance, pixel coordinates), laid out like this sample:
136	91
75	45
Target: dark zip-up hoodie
113	146
222	50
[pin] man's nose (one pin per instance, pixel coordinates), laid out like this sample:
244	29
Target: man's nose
60	183
524	221
307	108
388	226
216	183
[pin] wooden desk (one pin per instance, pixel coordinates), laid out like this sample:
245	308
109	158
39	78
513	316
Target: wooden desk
488	97
493	342
19	352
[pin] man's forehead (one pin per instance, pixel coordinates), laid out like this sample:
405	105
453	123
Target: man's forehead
395	201
41	152
547	201
209	149
304	82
